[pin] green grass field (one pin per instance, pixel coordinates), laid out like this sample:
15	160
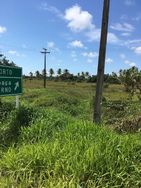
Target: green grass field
51	142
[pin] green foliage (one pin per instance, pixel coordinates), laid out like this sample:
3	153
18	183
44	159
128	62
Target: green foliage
129	126
131	79
80	155
5	109
123	116
51	143
46	122
10	131
5	61
66	104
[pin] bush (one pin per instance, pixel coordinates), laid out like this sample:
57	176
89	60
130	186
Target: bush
9	132
5	110
129	126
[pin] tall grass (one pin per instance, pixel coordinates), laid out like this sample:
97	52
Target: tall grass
51	142
80	155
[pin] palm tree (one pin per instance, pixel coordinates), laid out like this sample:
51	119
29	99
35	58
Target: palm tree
59	72
37	73
51	72
129	78
66	71
82	74
31	76
86	74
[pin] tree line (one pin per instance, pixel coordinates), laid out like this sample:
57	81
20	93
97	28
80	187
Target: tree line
65	75
130	78
5	61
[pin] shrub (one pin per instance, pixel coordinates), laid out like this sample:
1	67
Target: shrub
10	131
5	109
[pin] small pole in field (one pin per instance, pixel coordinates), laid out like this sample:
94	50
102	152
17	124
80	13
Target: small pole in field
17	101
45	52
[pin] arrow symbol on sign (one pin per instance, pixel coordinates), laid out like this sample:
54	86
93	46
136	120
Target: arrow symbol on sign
16	86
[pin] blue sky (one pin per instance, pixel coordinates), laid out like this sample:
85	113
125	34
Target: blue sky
70	30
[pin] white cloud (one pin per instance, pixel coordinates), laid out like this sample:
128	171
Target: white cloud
52	9
122	56
78	20
130	63
126	61
90	54
109	61
77	44
73	54
89	60
93	34
124	17
126	34
137	50
51	45
132	44
112	38
2	29
75	59
137	18
13	52
122	27
129	2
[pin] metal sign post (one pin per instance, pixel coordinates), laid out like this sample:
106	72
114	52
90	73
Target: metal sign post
17	101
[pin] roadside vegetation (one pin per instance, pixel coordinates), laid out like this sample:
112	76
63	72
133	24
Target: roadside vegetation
50	141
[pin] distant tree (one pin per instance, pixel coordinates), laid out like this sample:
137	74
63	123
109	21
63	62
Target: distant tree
37	74
66	71
131	79
51	72
92	79
83	74
30	76
59	72
67	76
5	61
112	78
86	74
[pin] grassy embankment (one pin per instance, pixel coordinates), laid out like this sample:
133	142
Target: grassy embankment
51	140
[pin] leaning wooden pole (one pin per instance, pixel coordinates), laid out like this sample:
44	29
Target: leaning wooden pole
101	63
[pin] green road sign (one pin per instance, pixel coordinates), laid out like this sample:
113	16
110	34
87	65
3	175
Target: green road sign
10	80
7	71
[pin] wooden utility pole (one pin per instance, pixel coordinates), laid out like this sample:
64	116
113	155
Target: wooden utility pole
45	52
101	62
